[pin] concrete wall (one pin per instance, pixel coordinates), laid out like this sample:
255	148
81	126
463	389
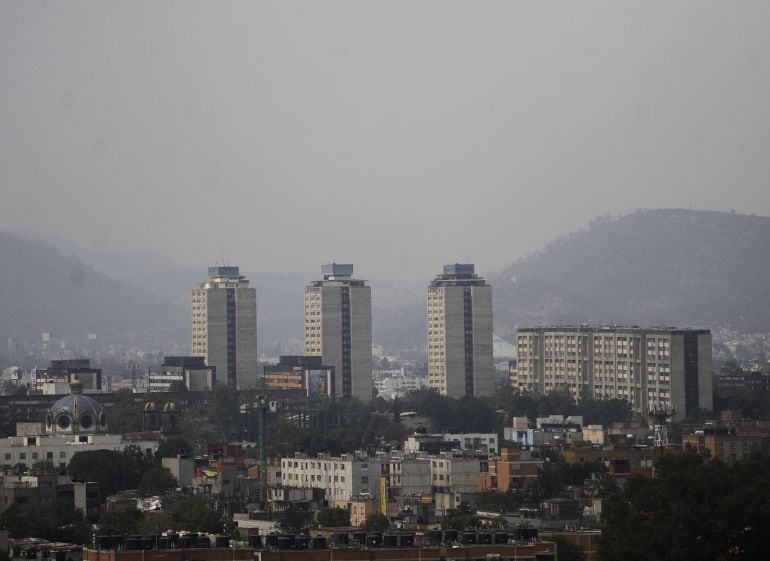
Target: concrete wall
246	337
216	332
331	333
483	365
454	341
361	341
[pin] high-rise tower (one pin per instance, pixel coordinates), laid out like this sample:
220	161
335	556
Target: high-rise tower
460	333
338	327
224	326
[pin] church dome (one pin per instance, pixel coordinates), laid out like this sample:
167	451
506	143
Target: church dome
76	413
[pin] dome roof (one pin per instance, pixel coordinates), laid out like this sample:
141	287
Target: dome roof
76	413
76	405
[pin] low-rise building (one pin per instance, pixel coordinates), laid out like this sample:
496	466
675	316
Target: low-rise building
728	442
61	373
480	443
36	495
456	473
300	373
343	478
188	370
514	469
359	510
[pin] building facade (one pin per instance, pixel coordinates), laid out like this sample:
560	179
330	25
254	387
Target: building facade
188	370
338	328
61	373
342	478
643	366
303	373
460	333
224	326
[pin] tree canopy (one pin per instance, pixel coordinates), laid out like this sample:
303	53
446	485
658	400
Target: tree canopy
115	471
156	481
695	509
333	517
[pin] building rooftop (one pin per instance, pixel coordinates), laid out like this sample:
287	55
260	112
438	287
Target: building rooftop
459	274
614	328
218	271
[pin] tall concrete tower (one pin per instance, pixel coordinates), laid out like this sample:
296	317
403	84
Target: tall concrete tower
460	333
224	326
338	327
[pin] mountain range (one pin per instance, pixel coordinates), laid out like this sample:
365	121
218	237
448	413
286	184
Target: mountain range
652	267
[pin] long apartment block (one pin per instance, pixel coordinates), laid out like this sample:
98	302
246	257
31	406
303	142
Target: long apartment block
645	366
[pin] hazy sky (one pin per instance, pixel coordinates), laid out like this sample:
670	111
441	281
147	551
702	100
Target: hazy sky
397	135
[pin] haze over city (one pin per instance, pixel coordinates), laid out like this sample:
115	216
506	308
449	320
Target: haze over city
398	136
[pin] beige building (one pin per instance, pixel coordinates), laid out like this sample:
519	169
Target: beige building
224	326
460	333
338	328
643	366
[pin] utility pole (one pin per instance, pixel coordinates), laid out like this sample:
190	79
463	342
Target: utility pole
262	405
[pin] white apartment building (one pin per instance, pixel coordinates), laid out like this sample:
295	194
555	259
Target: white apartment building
484	443
224	326
338	328
643	366
343	478
397	383
460	333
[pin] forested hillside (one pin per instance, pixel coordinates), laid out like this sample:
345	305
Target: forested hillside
672	267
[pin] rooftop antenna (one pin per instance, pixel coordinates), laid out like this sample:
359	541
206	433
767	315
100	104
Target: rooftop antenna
660	413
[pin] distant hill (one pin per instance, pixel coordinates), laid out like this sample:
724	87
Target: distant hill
652	267
398	306
42	290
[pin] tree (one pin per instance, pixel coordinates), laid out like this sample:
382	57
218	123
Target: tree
225	411
461	518
172	447
493	500
120	522
125	415
694	509
333	517
293	520
44	467
194	514
377	522
115	471
567	550
15	522
156	481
